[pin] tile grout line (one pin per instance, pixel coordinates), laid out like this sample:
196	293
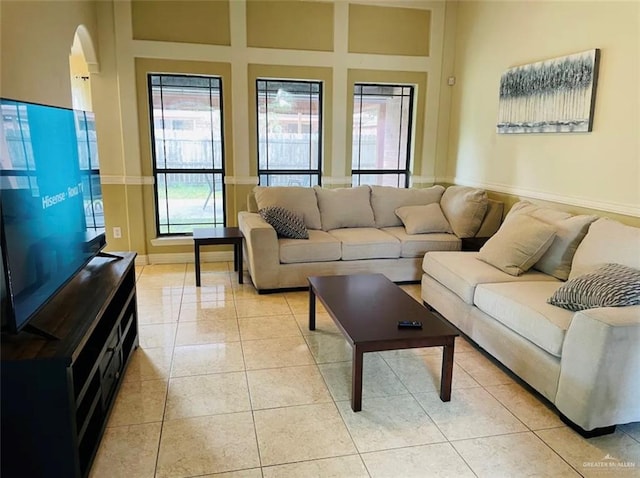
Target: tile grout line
166	398
246	377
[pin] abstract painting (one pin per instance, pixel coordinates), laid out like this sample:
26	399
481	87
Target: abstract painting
551	96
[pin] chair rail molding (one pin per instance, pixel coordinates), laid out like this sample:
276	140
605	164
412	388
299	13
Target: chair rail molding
608	206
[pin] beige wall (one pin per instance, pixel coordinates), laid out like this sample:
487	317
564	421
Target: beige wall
36	39
184	21
290	25
389	30
600	169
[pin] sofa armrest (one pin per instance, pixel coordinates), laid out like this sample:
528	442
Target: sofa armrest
261	250
599	380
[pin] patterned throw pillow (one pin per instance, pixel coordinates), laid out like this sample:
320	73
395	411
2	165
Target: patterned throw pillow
285	222
612	285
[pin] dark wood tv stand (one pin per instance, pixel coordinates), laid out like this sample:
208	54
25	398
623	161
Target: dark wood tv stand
57	394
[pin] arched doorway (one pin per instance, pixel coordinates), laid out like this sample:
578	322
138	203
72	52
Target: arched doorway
82	62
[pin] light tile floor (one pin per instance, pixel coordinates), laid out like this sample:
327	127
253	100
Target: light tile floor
229	383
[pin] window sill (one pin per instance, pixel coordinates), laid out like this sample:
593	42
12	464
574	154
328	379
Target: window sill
172	241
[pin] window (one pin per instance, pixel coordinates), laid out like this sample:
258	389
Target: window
89	169
188	152
381	134
289	132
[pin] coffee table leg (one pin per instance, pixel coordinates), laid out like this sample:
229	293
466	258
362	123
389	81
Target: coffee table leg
356	380
312	309
447	372
197	252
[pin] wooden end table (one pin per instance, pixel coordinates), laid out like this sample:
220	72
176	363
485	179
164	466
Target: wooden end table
367	308
215	236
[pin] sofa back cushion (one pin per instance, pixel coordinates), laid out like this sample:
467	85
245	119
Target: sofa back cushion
607	241
464	208
301	201
345	207
492	219
386	199
570	230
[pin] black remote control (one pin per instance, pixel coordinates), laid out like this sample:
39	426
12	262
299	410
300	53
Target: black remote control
406	324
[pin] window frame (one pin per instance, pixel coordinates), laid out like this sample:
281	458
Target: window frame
407	163
283	172
212	171
92	172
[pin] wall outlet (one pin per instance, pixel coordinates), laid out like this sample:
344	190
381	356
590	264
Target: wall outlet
117	233
451	80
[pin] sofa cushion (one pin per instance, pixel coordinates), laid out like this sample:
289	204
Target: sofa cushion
366	243
300	200
423	219
492	219
518	244
416	245
386	199
612	285
607	241
461	272
523	308
286	223
570	230
320	247
464	208
345	207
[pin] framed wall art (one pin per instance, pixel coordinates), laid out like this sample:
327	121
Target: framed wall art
551	96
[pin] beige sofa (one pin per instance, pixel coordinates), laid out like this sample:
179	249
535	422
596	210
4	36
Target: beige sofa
356	230
587	363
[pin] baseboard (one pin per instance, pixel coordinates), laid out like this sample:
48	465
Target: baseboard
188	257
141	260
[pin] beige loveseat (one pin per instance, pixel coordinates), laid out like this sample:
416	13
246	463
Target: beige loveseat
356	230
586	362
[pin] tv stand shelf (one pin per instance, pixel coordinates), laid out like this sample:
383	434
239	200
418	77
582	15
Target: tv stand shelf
57	394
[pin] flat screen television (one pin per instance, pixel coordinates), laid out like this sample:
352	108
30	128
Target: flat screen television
51	216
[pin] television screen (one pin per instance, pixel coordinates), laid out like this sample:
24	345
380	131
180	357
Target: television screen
50	201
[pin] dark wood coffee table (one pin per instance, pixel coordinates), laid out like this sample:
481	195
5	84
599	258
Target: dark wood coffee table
367	308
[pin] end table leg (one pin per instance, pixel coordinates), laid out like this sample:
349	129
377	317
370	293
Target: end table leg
197	259
447	372
239	261
235	256
356	380
312	309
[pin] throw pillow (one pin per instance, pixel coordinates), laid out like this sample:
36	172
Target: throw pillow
464	208
612	285
423	219
285	222
345	207
518	244
570	230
